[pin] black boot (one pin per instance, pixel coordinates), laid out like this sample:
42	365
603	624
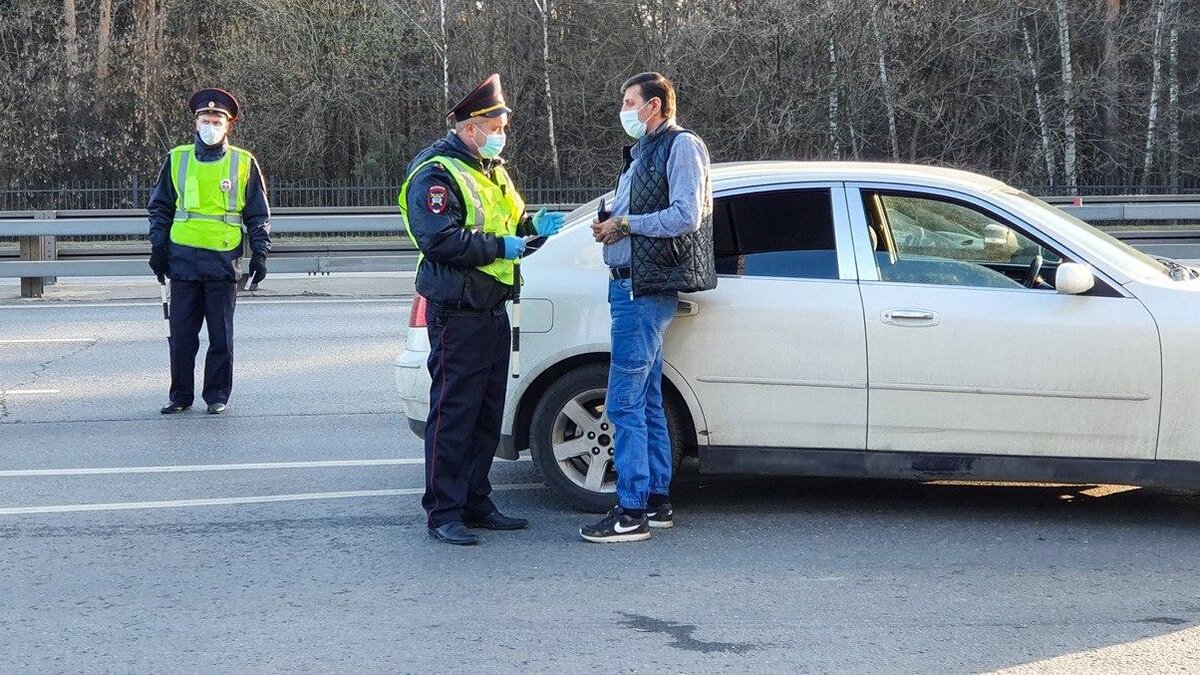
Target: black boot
454	533
495	521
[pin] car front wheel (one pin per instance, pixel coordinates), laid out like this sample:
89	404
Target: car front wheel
573	443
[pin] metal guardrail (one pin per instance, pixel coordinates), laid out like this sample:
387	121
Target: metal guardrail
37	230
283	221
37	233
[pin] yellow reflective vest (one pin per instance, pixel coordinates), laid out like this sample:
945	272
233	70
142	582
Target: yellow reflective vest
209	198
492	205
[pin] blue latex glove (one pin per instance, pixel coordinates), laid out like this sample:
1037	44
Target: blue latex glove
547	224
513	247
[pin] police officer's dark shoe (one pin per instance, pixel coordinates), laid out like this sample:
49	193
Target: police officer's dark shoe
617	527
660	517
173	408
216	408
495	521
454	533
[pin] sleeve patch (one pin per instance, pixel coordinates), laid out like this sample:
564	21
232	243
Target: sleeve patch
436	199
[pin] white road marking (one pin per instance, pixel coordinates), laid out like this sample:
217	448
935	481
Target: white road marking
256	466
40	340
157	303
227	501
30	391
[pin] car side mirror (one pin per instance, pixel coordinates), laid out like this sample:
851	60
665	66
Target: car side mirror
1074	279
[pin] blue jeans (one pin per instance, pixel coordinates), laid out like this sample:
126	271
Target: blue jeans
635	400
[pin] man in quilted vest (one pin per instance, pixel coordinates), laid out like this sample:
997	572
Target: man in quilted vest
657	244
208	208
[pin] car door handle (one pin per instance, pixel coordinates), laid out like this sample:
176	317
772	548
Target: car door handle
910	317
687	308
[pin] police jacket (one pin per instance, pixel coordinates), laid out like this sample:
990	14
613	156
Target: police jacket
186	263
447	274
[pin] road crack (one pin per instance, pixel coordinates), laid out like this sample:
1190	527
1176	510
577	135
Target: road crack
36	373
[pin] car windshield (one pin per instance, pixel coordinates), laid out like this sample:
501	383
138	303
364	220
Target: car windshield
1138	256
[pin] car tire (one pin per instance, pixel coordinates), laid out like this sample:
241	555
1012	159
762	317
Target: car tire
551	425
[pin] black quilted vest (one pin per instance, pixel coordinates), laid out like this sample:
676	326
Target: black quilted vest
662	265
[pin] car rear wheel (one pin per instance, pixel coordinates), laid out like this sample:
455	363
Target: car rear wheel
573	443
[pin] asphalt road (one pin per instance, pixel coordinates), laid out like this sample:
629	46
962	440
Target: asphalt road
288	536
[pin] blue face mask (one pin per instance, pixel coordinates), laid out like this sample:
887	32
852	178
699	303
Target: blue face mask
493	146
632	123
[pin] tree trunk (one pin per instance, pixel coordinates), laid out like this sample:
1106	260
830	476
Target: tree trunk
543	7
445	56
834	138
1068	94
1174	147
103	45
1040	103
1160	19
1110	76
148	26
888	99
71	43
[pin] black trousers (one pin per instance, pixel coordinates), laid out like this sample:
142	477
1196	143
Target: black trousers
193	303
468	361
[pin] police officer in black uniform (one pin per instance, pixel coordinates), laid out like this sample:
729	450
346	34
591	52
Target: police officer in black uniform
464	214
208	207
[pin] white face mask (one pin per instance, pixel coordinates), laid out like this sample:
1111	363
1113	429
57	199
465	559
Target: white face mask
210	133
634	126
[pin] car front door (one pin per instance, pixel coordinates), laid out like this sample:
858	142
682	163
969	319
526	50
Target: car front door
776	354
972	352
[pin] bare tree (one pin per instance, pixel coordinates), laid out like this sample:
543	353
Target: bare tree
1068	94
1110	73
71	43
341	90
1040	105
543	7
834	82
1160	20
103	49
889	98
1174	146
445	52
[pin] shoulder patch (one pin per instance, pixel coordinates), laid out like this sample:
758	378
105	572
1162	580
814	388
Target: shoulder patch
435	200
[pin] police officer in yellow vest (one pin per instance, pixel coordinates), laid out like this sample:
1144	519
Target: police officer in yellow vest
467	218
208	207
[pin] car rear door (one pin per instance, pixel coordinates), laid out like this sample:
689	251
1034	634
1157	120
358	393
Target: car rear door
776	354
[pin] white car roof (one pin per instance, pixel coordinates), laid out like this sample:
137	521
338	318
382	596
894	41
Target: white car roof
733	174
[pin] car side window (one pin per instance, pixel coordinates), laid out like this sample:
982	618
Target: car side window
783	233
930	240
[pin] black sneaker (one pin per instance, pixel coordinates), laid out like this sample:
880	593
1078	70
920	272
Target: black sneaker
617	527
661	517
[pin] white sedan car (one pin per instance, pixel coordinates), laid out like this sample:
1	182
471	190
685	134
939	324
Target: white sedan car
872	320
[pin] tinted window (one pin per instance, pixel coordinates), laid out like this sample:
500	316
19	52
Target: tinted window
776	234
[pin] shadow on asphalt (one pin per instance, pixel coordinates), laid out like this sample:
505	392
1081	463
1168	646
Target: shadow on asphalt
1093	502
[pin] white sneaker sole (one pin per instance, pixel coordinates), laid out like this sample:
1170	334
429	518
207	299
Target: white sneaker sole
662	525
617	538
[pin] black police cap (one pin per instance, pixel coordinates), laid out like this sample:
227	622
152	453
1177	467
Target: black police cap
487	100
214	101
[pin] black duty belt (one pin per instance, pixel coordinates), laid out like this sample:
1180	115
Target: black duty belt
619	272
462	310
